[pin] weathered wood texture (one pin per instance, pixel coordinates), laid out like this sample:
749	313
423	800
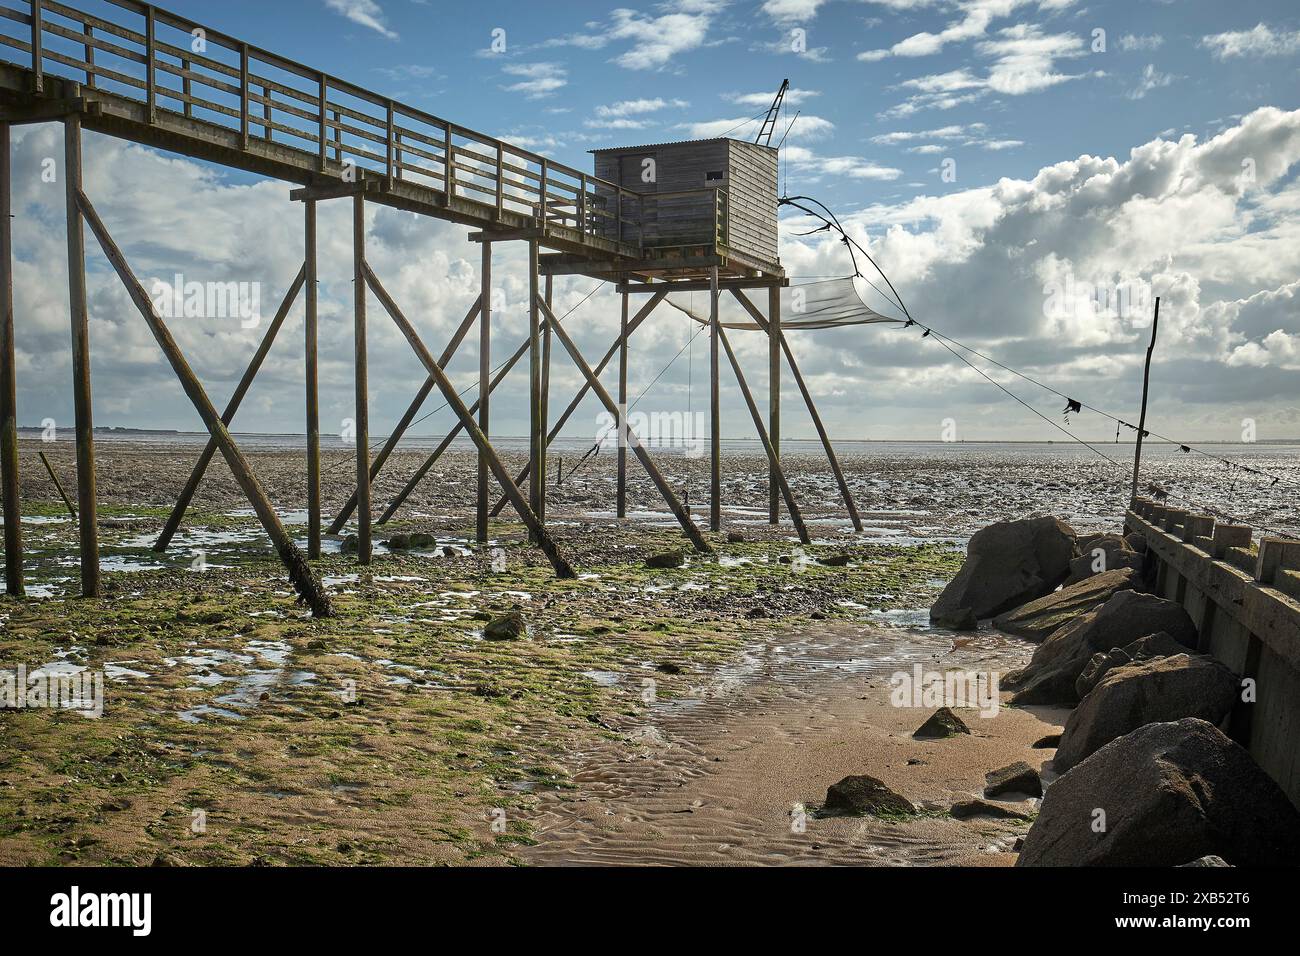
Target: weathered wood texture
1246	605
8	384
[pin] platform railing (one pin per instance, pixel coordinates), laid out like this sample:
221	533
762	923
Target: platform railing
171	63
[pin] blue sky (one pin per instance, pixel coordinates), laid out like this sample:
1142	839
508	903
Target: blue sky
1083	160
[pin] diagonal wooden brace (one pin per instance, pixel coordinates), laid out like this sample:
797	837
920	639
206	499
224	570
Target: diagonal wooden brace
642	314
526	514
812	410
300	574
250	373
647	462
443	445
346	511
795	515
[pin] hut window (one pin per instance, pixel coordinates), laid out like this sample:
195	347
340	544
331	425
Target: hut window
713	177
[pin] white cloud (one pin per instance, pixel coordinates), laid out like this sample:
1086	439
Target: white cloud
1262	40
1152	79
808	127
976	17
537	80
682	26
1130	42
367	13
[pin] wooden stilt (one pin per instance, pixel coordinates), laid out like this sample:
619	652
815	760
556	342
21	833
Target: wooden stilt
537	472
443	445
362	412
621	495
774	400
8	384
715	406
647	462
484	402
311	377
773	461
758	318
390	444
526	514
544	418
250	373
299	571
84	415
58	485
642	314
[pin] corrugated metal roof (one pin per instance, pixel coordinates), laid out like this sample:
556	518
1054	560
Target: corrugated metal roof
680	142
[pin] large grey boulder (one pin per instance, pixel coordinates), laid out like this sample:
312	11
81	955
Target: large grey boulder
1143	649
1037	619
1164	795
1101	553
1007	564
1147	692
1052	673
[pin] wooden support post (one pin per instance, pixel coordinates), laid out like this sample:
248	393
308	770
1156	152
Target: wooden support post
537	472
443	445
795	515
563	420
774	400
311	371
761	322
407	417
545	542
246	382
38	51
83	409
362	411
715	405
544	422
647	462
1146	382
622	411
484	371
300	575
8	384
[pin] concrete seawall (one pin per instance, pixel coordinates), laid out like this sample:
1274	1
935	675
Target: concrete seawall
1245	599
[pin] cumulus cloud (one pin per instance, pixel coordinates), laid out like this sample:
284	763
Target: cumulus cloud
367	13
651	41
1262	40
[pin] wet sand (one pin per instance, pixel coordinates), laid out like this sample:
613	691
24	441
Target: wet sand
722	776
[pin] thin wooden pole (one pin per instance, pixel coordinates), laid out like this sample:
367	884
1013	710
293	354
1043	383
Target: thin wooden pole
545	402
526	514
390	444
537	472
443	445
250	373
484	403
58	485
622	411
647	462
563	420
83	407
311	367
300	575
8	383
715	405
774	400
761	322
362	412
1146	383
784	487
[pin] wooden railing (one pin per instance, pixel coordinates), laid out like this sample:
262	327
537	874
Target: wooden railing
173	64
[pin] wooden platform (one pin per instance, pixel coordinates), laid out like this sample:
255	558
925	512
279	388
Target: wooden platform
136	75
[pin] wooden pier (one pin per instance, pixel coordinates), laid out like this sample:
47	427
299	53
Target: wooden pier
135	71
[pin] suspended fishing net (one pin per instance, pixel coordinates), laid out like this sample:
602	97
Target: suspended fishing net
826	304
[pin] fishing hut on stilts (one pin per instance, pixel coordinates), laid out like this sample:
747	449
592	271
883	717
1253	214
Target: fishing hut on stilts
655	221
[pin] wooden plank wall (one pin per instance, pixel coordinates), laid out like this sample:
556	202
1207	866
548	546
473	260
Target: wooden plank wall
751	194
1245	602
